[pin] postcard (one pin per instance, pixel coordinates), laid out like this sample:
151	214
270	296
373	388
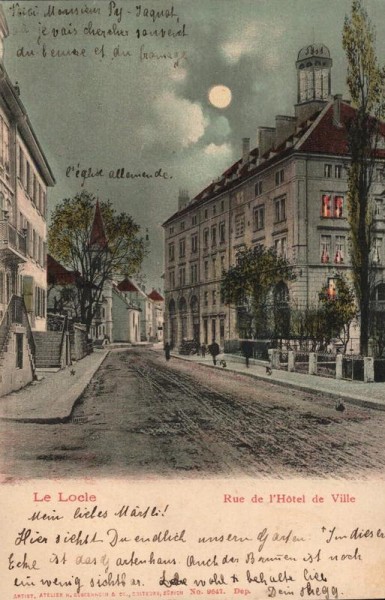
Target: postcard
192	293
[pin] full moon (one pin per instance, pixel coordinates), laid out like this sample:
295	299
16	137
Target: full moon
220	96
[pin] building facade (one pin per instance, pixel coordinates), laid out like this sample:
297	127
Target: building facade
24	178
288	193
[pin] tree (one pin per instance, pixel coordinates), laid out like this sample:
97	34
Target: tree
249	282
365	79
97	243
337	312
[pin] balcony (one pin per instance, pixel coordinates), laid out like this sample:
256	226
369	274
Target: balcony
13	243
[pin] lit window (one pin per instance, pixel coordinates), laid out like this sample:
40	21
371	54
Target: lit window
239	225
340	249
338	206
325	248
280	210
331	290
326	206
327	171
259	217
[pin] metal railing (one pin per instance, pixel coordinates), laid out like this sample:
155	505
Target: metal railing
10	237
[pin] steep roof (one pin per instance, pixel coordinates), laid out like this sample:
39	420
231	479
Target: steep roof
127	286
154	295
98	235
59	275
318	134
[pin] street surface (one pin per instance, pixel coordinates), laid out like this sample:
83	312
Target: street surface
142	416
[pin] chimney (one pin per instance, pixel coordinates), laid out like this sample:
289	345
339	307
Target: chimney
284	128
337	110
266	139
183	199
245	150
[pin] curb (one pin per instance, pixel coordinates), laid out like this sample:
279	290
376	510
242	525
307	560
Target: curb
62	419
356	400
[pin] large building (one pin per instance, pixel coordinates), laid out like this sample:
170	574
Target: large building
24	178
288	193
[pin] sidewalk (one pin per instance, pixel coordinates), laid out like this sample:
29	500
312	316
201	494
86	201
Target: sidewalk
369	395
52	399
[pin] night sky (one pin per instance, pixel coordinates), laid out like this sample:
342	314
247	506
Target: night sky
117	106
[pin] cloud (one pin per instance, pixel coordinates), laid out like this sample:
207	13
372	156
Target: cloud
251	40
175	121
222	150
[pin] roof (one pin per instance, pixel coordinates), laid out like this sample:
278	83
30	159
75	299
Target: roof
154	295
59	275
314	50
98	235
127	286
318	134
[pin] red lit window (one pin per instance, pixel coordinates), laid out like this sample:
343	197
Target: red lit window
338	206
332	291
326	206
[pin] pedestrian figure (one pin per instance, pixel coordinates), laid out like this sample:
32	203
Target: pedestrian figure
247	350
167	351
214	351
203	351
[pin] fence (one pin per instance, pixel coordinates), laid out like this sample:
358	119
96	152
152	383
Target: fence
324	364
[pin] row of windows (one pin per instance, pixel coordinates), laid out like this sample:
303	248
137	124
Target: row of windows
194	218
4	144
30	183
217	268
328	171
207	234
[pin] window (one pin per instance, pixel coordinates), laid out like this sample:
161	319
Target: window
171	252
326	206
280	246
222	205
206	238
327	171
338	206
379	175
182	248
194	220
340	249
182	276
206	269
214	209
379	208
206	213
239	225
194	243
279	177
377	250
222	263
214	268
338	171
258	188
4	144
35	197
280	210
194	273
21	165
182	226
222	232
331	289
214	235
325	248
172	279
206	299
259	217
171	230
34	239
214	296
